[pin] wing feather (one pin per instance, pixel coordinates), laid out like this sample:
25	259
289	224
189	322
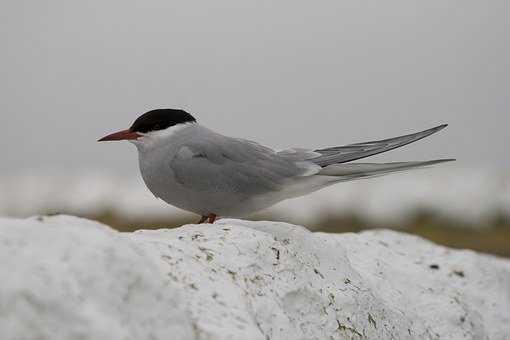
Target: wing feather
231	165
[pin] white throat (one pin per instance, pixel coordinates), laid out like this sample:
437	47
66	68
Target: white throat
153	139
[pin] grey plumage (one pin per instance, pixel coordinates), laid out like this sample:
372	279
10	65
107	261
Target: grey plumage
352	152
231	164
351	171
199	170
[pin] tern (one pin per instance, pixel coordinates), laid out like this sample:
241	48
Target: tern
196	169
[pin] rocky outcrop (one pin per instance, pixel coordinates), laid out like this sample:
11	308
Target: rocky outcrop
68	278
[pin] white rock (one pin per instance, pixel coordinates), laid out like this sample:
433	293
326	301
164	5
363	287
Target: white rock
68	278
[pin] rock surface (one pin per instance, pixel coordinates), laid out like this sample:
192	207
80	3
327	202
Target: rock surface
67	278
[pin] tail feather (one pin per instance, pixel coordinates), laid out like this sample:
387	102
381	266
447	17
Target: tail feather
351	171
352	152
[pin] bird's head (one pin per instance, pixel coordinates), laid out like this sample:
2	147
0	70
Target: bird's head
152	126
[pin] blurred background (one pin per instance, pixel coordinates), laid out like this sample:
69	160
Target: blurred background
286	73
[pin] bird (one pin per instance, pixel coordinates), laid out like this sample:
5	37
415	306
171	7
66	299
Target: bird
194	168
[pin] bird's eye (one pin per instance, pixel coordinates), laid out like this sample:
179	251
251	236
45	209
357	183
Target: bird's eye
157	127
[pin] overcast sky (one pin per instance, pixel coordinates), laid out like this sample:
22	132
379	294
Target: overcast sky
284	73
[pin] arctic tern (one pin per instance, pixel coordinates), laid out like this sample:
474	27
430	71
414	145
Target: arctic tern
196	169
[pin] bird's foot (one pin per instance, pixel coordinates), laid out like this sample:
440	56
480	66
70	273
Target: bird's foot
211	218
207	219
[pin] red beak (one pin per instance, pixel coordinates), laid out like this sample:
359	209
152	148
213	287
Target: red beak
121	135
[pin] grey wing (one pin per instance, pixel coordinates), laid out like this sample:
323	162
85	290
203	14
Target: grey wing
229	165
347	153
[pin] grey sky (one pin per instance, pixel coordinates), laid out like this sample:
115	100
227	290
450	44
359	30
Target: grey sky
284	73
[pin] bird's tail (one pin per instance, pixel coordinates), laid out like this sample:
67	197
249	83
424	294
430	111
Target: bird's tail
352	171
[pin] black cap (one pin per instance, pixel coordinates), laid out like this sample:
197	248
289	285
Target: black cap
161	119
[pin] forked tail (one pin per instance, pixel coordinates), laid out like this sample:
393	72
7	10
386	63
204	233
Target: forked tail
352	152
351	171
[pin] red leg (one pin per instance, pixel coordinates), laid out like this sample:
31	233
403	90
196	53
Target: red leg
211	218
202	219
